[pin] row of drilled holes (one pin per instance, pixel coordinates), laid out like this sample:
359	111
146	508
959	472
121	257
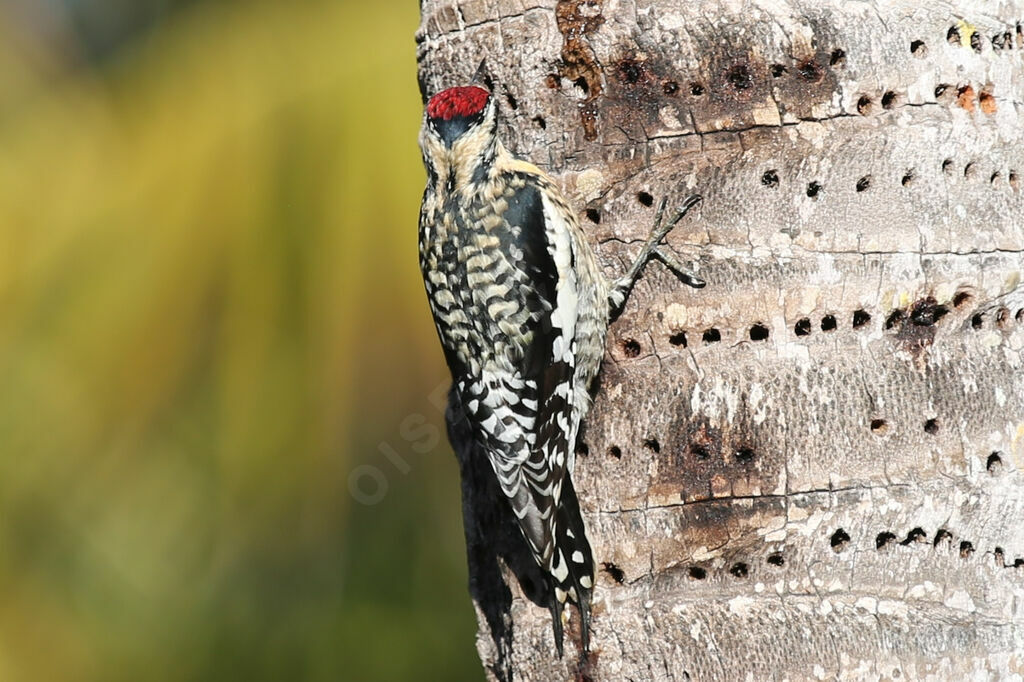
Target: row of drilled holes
927	313
840	540
971	172
745	455
880	426
966	98
1002	318
757	332
742	455
999	41
770	179
739	569
740	78
922	316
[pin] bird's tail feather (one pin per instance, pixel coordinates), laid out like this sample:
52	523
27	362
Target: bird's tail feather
572	575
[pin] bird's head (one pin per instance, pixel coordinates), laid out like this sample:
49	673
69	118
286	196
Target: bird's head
459	137
459	114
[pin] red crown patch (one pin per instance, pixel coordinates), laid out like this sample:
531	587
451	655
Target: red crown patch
454	102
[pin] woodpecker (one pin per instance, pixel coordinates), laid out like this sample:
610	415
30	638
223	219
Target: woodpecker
522	311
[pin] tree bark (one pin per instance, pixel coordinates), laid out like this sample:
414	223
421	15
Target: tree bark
810	469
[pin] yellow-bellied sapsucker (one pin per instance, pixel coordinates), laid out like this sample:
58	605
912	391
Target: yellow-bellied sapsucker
522	311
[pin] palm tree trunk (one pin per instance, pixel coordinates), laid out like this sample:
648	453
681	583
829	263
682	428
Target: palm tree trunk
811	468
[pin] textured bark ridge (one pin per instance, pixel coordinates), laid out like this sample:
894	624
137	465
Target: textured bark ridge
811	469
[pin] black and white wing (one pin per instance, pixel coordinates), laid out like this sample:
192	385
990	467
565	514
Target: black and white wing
522	402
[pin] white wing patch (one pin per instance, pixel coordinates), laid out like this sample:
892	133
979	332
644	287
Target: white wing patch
564	314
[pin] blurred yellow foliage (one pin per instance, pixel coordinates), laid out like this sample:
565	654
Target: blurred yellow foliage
209	302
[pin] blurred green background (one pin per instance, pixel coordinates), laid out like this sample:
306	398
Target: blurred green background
211	327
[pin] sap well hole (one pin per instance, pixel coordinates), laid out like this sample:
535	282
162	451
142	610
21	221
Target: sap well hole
631	348
614	571
994	464
915	535
884	539
700	451
745	455
739	77
839	540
